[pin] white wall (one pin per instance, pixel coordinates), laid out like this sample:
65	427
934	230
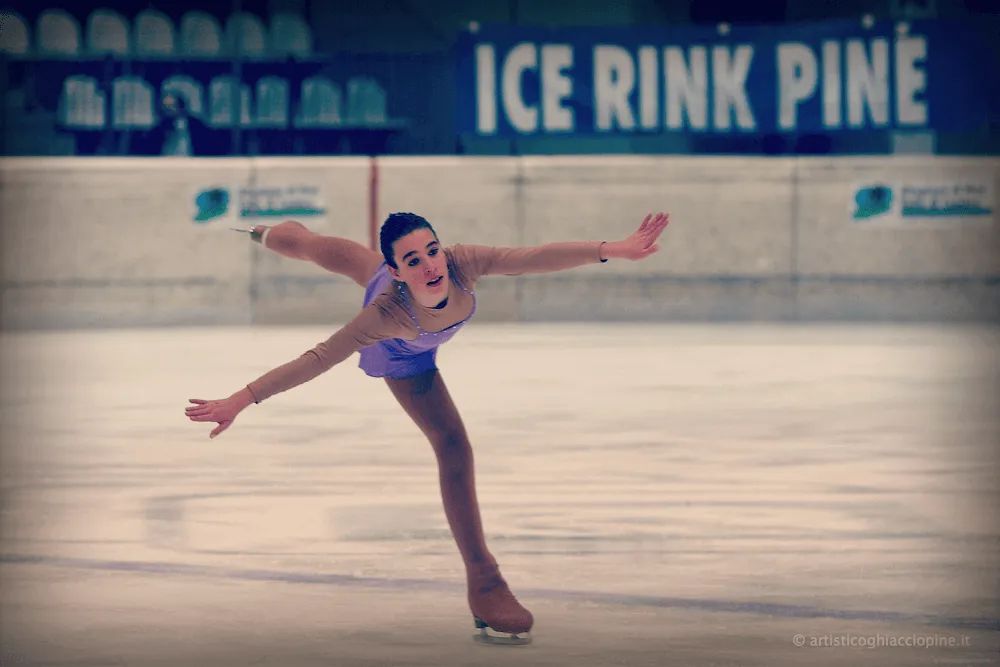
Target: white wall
97	242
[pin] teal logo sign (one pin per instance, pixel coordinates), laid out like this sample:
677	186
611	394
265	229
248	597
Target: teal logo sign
873	201
921	202
211	204
259	202
942	201
294	201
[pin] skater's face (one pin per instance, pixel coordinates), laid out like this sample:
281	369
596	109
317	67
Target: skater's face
421	264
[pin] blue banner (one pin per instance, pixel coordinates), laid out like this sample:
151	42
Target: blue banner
798	79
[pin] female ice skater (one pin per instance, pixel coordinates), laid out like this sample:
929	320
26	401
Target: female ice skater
418	294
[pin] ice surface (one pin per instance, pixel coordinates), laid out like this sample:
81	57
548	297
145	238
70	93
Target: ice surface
656	495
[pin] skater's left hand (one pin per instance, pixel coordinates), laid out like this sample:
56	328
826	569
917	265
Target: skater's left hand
642	243
222	412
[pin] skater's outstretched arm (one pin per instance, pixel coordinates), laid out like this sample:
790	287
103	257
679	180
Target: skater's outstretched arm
373	323
333	253
551	257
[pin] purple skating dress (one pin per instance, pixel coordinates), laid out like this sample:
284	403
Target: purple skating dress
397	358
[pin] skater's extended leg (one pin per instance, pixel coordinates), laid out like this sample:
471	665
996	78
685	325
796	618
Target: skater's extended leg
333	253
426	399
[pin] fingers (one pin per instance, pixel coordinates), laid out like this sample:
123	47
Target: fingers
651	227
209	411
220	428
652	221
202	411
656	227
199	410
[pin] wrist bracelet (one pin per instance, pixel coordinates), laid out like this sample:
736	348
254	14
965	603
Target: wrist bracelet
605	259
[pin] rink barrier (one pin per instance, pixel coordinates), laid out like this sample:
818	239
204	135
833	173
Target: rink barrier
97	242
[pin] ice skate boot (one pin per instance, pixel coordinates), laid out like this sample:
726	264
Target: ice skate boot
495	608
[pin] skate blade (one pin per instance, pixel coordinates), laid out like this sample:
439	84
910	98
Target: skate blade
505	640
485	636
252	232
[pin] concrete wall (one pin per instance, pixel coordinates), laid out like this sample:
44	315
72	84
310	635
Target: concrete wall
104	242
111	242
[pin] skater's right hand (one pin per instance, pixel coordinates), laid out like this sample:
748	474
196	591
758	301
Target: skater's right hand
642	243
223	411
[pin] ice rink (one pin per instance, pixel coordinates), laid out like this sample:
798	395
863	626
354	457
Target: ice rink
656	495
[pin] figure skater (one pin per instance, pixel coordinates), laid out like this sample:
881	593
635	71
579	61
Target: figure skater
418	294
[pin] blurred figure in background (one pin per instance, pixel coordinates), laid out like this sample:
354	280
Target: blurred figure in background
176	124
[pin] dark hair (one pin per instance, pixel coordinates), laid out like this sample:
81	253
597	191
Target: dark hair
396	226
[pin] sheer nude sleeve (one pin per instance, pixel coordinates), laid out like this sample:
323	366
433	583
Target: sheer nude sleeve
339	255
475	261
378	321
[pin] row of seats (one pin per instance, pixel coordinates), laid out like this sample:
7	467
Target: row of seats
57	33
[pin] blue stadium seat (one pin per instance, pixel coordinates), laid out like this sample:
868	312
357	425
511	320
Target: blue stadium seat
58	33
14	34
153	34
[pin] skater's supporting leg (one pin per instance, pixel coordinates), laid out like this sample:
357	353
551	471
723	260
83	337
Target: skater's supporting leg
426	400
339	255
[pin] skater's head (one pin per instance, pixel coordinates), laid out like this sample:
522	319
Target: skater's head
397	231
415	257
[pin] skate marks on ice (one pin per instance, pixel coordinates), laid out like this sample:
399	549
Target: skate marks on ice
703	483
455	587
164	620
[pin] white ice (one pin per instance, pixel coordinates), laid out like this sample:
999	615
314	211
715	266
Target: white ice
656	495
